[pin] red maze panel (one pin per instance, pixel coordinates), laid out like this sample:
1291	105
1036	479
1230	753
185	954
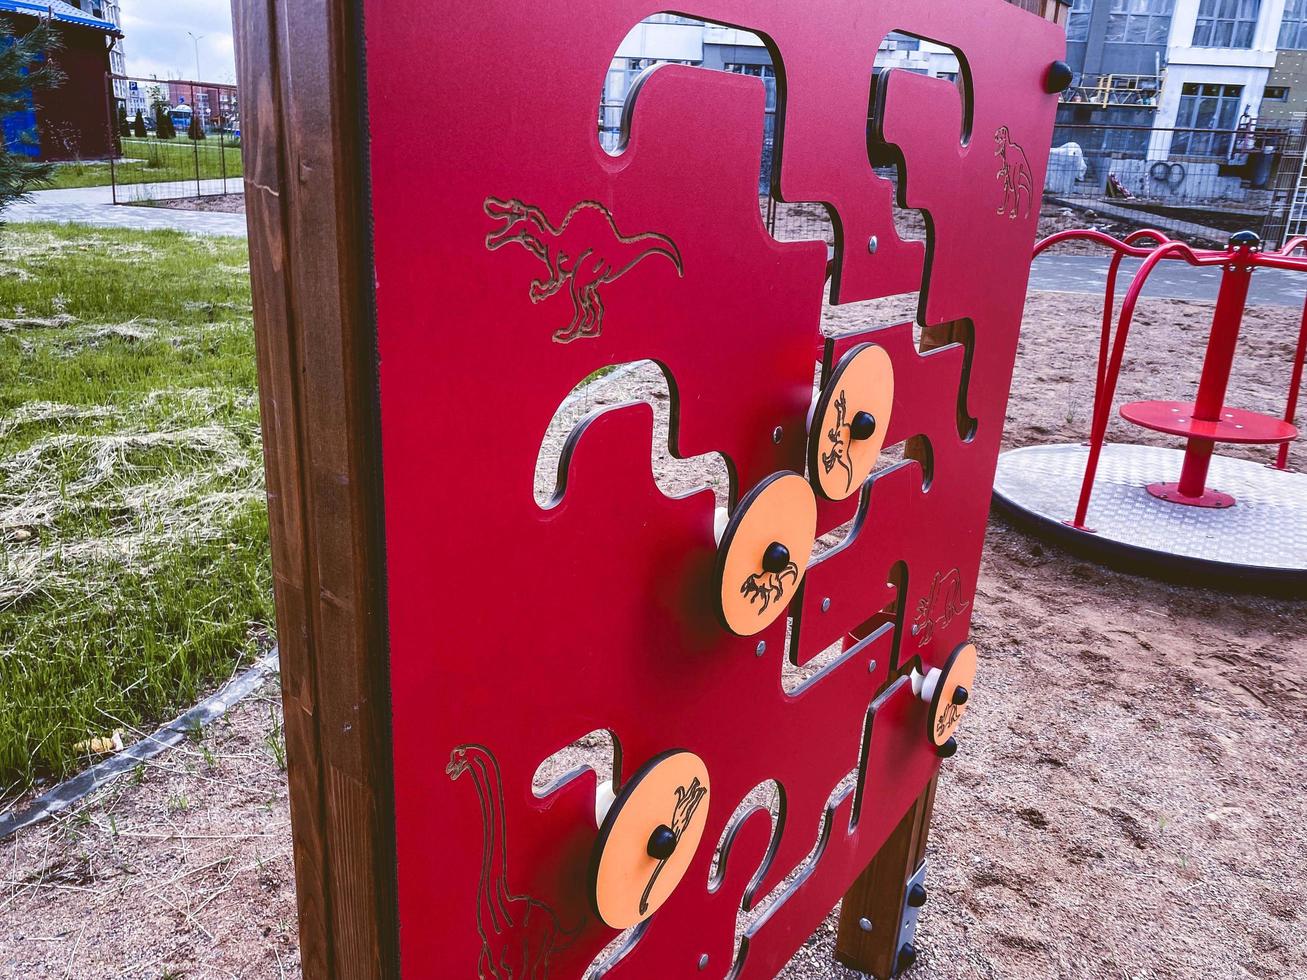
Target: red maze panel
514	257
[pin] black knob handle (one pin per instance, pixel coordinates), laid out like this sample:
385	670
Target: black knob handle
662	843
949	749
916	895
1246	239
776	558
961	695
906	960
1058	78
863	426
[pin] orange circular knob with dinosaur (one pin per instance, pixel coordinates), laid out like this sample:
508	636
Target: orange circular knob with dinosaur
648	838
764	552
850	422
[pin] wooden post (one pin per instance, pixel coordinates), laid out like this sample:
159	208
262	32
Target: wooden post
300	70
879	893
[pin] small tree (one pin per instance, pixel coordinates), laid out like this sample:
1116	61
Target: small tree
123	128
196	129
138	126
24	68
162	109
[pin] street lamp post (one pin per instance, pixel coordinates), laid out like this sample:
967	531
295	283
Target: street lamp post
201	117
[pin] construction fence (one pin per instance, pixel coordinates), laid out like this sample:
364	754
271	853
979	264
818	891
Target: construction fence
1200	183
177	139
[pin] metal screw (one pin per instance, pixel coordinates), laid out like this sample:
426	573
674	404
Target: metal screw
871	667
825	604
703	962
762	647
864	924
777	435
873	245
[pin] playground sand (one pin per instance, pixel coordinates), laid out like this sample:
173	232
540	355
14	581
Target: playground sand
1127	802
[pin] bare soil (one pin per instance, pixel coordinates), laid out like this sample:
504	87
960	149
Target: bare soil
1127	802
227	203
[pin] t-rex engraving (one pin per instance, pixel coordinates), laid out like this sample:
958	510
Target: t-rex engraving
1014	175
939	606
769	586
584	252
687	801
519	934
838	455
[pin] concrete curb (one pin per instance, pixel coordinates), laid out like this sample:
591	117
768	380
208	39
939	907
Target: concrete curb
77	788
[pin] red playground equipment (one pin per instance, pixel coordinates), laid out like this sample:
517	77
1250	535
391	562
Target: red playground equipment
1219	515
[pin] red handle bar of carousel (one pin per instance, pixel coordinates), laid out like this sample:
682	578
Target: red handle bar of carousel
1207	420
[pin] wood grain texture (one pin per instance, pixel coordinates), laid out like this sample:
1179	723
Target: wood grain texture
879	893
299	68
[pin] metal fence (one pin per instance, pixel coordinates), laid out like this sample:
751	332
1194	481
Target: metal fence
177	138
1202	183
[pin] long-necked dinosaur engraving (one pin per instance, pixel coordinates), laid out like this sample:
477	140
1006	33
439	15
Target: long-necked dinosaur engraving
584	252
519	934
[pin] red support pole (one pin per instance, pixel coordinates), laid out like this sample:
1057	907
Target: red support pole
1104	394
1295	387
1215	378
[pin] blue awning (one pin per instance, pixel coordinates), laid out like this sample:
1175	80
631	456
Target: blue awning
58	11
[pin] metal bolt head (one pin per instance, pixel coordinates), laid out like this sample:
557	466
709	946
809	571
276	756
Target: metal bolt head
825	604
873	244
762	647
777	435
703	962
864	924
871	667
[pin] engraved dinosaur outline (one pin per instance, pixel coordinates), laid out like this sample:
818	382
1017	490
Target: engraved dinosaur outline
769	586
527	931
1014	185
947	586
584	252
688	799
838	456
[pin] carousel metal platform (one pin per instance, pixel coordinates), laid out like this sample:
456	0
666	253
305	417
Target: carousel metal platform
1260	541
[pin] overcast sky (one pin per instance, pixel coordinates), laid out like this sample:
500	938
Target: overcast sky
156	41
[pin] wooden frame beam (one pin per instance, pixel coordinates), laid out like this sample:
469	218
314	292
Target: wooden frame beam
299	65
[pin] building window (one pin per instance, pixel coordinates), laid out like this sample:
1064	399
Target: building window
1276	93
898	41
1205	124
1139	21
673	19
1226	23
1077	25
1293	29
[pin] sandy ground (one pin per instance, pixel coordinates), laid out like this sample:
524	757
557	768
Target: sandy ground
803	221
1127	803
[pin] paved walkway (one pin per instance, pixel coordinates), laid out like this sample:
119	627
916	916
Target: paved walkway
1173	279
94	206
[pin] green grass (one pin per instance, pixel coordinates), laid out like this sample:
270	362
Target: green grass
134	564
153	160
